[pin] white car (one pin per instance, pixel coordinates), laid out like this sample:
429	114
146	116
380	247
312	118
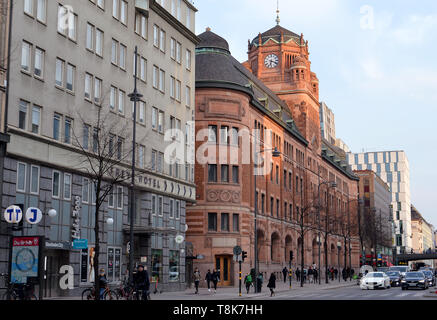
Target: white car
375	280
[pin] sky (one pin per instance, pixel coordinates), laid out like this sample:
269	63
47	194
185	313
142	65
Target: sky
377	66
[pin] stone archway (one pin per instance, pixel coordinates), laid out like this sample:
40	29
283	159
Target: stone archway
275	246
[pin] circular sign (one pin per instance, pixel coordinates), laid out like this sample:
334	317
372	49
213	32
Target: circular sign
13	214
237	250
33	215
179	239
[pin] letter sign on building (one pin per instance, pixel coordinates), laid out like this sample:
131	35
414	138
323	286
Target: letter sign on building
75	227
33	215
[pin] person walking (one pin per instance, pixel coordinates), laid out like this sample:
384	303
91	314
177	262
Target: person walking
305	274
208	279
215	279
335	273
315	275
343	273
196	280
284	273
298	274
103	282
141	282
259	282
272	284
310	274
248	281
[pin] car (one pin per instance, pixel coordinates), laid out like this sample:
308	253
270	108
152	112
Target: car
429	275
382	269
402	269
395	278
375	280
415	279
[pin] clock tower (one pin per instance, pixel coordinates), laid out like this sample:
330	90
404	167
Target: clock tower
280	58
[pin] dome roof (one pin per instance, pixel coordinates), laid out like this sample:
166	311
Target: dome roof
275	33
209	39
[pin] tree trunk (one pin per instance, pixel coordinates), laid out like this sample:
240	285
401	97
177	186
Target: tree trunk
302	261
345	254
325	245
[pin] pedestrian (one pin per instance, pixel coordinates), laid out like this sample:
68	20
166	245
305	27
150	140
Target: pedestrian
103	282
343	273
316	274
248	282
332	273
272	284
141	282
352	273
305	273
259	282
215	279
335	273
196	280
310	274
348	272
298	274
208	279
284	273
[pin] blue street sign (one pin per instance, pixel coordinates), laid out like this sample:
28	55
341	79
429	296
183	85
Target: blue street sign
80	244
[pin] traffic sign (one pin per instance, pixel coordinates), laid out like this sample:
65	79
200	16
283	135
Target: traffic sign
237	250
13	214
33	215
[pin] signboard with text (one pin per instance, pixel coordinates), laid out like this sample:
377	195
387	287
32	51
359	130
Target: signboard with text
24	258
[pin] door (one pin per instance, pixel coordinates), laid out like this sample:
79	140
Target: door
223	266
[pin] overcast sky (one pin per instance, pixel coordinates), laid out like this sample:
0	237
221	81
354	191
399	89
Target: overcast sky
377	66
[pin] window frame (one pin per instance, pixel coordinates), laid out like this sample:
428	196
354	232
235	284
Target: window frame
25	177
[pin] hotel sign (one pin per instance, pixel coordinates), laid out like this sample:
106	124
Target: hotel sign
75	227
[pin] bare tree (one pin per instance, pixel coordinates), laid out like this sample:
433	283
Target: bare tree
327	229
102	159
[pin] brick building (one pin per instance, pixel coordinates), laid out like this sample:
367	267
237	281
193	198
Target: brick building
273	92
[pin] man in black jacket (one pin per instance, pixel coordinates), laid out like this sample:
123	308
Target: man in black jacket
141	282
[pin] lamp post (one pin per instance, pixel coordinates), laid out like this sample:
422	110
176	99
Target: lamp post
331	184
135	97
275	154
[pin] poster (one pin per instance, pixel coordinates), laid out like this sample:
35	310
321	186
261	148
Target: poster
24	258
84	265
91	264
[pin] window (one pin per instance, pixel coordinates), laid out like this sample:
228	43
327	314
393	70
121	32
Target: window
28	7
188	21
212	137
178	210
225	173
85	190
119	148
122	59
156	265
123	12
141	156
39	63
154	118
67	130
155	35
56	126
56	184
162	40
155	77
277	174
59	79
224	135
187	96
141	25
71	71
119	197
95	140
160	159
160	206
212	221
112	97
62	14
234	136
235	222
235	174
72	26
172	87
114	51
174	266
25	56
142	112
111	197
154	205
212	173
67	21
178	52
143	69
101	4
22	112
88	83
263	201
178	90
115	8
86	135
114	264
161	122
277	208
271	206
97	90
67	186
21	176
99	42
90	37
153	160
121	101
172	48
36	119
188	59
161	80
225	221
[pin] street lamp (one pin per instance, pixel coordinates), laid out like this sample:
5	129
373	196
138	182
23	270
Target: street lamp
331	184
275	154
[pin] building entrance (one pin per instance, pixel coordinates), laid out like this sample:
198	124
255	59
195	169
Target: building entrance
223	266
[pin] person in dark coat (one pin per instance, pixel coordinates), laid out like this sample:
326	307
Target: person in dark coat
103	282
298	274
208	279
215	279
272	284
142	282
259	282
315	275
335	273
284	273
344	274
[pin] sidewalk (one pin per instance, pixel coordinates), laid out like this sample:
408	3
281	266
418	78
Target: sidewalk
227	293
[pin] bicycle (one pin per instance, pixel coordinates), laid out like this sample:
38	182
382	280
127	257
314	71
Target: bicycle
124	291
18	291
89	294
140	294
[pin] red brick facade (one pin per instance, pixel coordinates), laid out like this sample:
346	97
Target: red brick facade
302	161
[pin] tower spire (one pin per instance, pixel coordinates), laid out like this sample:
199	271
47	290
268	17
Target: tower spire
277	13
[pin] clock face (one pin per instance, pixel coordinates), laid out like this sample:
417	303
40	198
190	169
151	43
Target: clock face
271	61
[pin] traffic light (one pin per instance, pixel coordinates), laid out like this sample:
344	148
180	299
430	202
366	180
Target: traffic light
243	255
291	255
19	225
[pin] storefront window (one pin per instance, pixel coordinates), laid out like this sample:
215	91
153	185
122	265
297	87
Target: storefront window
156	265
174	266
113	268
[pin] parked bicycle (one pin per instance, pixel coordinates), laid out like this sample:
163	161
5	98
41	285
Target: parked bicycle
125	291
139	295
90	294
18	291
